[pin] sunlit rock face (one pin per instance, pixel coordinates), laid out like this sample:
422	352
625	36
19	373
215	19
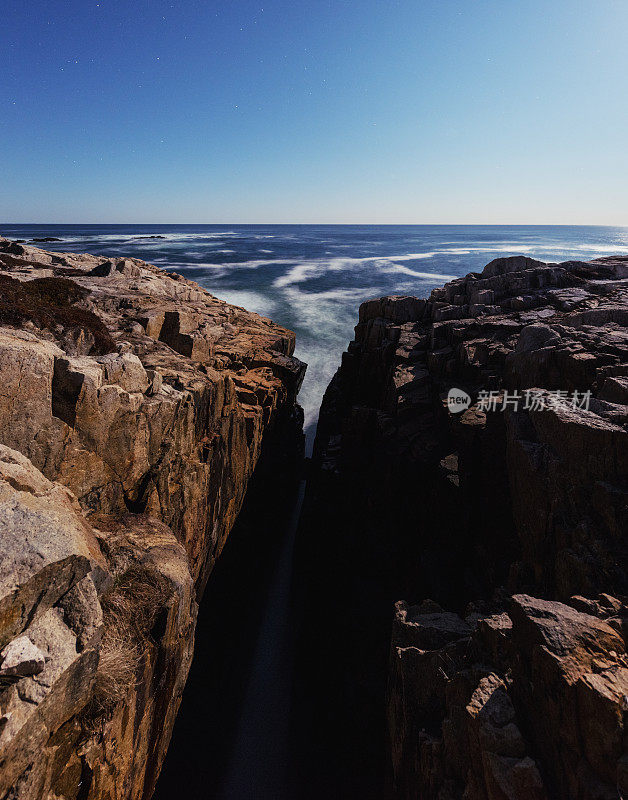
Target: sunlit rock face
498	527
133	409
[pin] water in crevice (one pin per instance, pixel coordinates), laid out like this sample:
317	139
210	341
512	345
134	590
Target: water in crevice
259	766
231	739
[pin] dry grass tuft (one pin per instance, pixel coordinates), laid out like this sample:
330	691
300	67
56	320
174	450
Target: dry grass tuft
117	670
130	611
137	597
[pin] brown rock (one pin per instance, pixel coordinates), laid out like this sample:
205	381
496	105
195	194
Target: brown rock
128	468
525	697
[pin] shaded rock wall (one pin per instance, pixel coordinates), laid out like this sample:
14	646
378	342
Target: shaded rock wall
501	527
133	407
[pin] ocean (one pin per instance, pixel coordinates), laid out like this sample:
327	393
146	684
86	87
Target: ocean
312	278
239	732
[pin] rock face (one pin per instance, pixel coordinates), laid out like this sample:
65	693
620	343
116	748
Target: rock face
133	410
504	523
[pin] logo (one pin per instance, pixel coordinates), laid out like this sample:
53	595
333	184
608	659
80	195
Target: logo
457	400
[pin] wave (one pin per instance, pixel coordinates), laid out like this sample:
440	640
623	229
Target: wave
325	319
416	256
430	276
252	301
294	294
518	248
603	248
229	265
308	270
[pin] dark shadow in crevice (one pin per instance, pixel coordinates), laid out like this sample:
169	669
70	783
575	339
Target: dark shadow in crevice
227	632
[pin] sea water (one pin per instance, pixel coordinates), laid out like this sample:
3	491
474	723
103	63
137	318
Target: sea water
312	278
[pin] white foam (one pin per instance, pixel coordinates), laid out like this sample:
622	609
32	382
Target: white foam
517	248
141	238
430	276
414	256
601	248
327	319
231	265
251	301
306	270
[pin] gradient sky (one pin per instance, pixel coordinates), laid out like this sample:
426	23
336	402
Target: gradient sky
389	111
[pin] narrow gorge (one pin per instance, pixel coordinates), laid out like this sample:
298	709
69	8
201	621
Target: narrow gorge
457	601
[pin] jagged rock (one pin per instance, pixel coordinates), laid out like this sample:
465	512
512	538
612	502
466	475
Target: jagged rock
534	337
615	390
21	658
569	684
426	628
131	420
556	673
120	440
485	510
46	545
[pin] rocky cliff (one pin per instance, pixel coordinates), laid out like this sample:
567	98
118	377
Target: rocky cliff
133	410
499	530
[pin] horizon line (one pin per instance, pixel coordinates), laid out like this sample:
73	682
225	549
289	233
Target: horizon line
348	224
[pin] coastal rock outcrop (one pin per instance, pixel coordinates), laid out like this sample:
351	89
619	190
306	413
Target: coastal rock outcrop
500	517
134	407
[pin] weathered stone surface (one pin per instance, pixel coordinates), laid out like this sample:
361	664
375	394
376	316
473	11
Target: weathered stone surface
483	511
21	658
427	629
46	545
128	435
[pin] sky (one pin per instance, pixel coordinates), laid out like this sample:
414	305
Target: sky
325	111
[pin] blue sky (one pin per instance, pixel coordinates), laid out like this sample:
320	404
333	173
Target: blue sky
389	111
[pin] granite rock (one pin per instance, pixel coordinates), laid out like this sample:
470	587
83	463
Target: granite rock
491	691
21	658
133	409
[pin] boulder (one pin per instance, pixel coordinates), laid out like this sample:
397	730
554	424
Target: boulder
21	658
46	546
